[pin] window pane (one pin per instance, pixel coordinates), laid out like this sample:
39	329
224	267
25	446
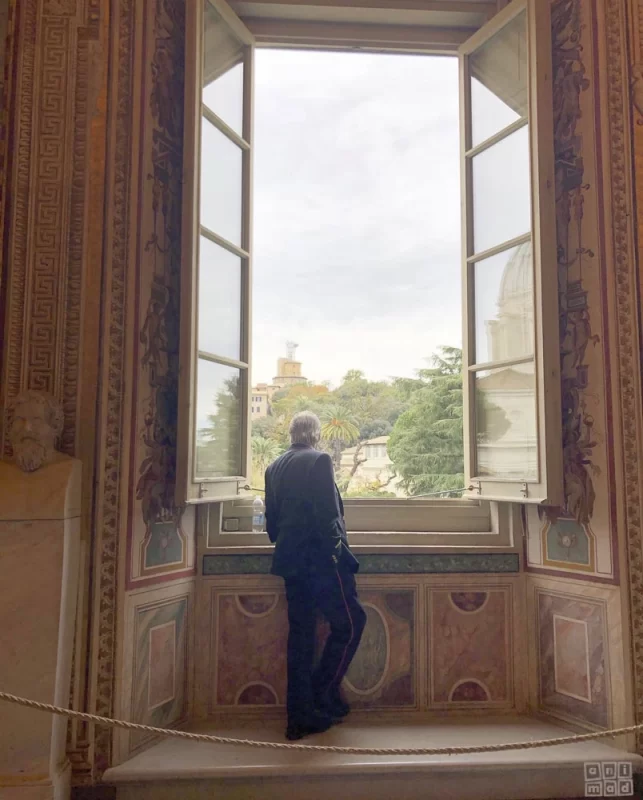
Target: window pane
222	70
501	191
506	429
499	87
219	300
221	180
218	414
504	305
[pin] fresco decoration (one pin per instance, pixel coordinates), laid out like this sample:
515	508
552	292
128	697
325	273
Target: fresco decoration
581	537
574	259
160	670
383	672
248	640
249	636
470	647
163	549
573	662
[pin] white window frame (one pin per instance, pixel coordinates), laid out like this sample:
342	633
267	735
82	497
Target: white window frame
191	489
547	487
470	523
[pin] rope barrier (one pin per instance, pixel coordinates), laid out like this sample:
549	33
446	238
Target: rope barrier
365	751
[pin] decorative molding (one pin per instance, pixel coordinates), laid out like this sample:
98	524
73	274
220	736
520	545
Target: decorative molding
629	333
430	563
110	462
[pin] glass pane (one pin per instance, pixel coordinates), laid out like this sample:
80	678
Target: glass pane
504	305
218	418
502	191
219	301
222	70
221	181
499	87
506	430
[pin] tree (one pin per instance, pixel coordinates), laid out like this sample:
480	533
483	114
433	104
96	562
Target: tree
374	428
264	452
218	450
338	431
426	443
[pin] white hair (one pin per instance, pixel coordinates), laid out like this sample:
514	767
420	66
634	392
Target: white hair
305	428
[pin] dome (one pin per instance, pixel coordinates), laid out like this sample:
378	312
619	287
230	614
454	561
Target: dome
517	278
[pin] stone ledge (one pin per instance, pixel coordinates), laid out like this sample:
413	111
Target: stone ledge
181	769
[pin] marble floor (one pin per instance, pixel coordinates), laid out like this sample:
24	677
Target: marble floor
176	769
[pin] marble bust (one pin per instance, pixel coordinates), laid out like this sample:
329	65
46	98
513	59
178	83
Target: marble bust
35	424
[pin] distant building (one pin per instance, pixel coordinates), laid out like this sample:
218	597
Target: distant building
507	431
376	466
260	400
288	369
288	374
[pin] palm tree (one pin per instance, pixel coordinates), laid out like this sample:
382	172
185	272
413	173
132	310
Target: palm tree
264	452
338	430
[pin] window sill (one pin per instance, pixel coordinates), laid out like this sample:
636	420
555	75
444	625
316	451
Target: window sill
395	549
230	562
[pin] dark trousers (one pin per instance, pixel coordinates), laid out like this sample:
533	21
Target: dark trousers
334	593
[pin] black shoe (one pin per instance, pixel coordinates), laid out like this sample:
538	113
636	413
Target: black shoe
334	707
315	723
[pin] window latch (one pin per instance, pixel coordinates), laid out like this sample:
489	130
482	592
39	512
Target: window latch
524	491
202	490
475	487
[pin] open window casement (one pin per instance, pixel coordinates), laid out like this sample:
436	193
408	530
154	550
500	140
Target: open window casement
512	406
213	458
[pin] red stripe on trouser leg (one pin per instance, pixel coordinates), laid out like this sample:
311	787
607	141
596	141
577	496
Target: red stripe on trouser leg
350	619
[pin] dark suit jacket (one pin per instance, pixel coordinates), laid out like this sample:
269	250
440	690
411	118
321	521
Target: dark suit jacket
305	514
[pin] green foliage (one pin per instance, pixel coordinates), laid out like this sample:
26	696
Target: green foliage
218	450
422	415
339	429
426	444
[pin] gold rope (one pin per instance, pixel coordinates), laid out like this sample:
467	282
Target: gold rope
363	751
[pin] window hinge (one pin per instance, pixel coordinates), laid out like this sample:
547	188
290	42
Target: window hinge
475	487
525	490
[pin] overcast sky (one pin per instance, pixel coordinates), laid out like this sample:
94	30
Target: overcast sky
356	212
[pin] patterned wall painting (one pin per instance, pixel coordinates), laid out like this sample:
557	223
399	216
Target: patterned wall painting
573	664
470	647
159	670
384	672
248	644
455	639
248	639
580	538
160	537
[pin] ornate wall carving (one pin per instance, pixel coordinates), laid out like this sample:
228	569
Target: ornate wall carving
47	217
581	538
629	291
159	535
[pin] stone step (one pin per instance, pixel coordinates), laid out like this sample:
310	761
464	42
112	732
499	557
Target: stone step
181	770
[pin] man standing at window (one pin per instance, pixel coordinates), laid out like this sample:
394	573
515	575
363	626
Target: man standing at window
305	521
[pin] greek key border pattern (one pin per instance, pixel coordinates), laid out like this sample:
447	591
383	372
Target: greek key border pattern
47	212
19	182
627	338
110	465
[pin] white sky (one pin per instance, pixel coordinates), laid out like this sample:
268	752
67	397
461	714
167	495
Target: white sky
356	219
356	224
